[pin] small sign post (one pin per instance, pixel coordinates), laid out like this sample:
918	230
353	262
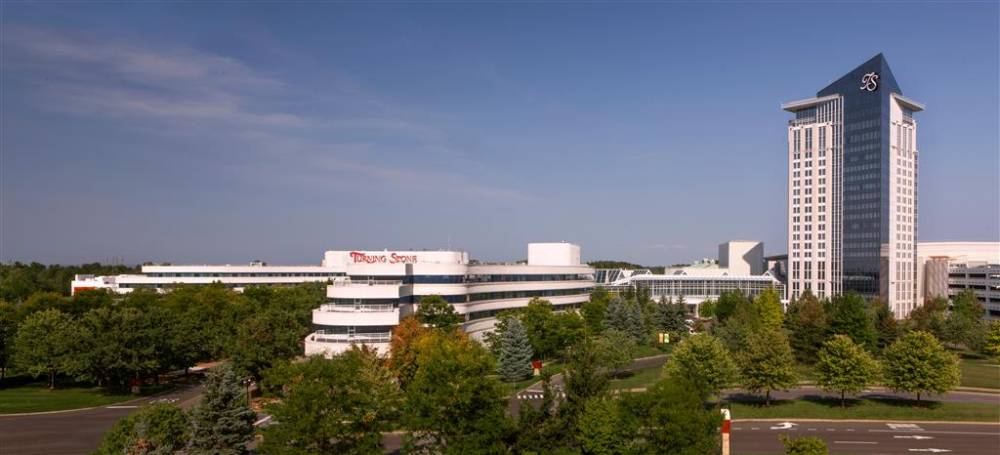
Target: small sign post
726	423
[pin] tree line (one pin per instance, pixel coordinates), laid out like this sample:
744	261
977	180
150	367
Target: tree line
18	280
113	340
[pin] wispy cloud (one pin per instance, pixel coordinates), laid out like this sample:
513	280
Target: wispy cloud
154	86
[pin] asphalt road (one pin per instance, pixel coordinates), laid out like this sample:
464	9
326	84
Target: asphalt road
75	432
761	437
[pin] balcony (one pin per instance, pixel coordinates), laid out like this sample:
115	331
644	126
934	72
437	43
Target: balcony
356	315
340	283
359	338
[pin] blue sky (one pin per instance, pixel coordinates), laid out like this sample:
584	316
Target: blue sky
645	132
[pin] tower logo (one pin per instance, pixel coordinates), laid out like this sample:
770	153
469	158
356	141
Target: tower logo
869	82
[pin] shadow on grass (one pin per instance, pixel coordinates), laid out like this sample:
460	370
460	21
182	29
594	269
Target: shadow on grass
833	402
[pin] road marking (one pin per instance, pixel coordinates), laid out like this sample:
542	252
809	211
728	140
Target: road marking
754	428
913	436
830	429
942	432
904	426
121	407
265	419
811	429
929	450
855	442
784	426
849	429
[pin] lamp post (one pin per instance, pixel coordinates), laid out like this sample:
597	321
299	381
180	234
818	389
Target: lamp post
247	382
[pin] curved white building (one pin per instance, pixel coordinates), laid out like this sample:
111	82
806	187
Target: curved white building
378	288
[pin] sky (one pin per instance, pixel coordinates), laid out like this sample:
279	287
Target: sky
224	132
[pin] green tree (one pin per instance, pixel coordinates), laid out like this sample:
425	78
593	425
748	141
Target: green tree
965	324
264	340
602	429
766	363
670	317
595	309
702	359
806	322
584	377
626	316
671	418
929	317
727	304
515	352
8	329
338	405
154	429
806	445
918	363
849	316
844	367
767	304
41	301
45	344
454	404
992	344
886	325
116	344
550	332
436	312
222	420
542	430
616	350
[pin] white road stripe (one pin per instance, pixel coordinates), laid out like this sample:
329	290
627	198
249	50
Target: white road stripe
121	407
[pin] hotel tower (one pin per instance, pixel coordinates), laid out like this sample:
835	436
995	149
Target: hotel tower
852	189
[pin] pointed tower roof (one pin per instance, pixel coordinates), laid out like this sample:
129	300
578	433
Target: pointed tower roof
851	82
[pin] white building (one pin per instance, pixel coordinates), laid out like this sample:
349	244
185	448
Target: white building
701	281
162	277
852	189
381	287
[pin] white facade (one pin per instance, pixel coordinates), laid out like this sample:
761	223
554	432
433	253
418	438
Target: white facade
162	277
701	281
381	287
742	257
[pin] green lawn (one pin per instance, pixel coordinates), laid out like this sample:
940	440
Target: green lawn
35	397
867	409
639	378
980	373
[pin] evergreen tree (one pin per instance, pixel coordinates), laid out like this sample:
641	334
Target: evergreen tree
671	418
602	429
8	328
626	316
844	367
767	305
515	352
918	363
223	420
766	363
670	317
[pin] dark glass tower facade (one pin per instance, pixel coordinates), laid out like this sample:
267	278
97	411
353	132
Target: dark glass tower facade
865	169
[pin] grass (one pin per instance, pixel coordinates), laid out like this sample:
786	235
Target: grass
983	373
875	409
36	397
645	377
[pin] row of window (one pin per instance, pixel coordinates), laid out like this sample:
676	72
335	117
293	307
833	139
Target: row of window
463	279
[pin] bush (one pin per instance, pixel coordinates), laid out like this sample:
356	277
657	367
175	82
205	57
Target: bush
807	445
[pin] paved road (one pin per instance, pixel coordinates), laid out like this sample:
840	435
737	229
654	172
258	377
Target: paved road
760	437
74	432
